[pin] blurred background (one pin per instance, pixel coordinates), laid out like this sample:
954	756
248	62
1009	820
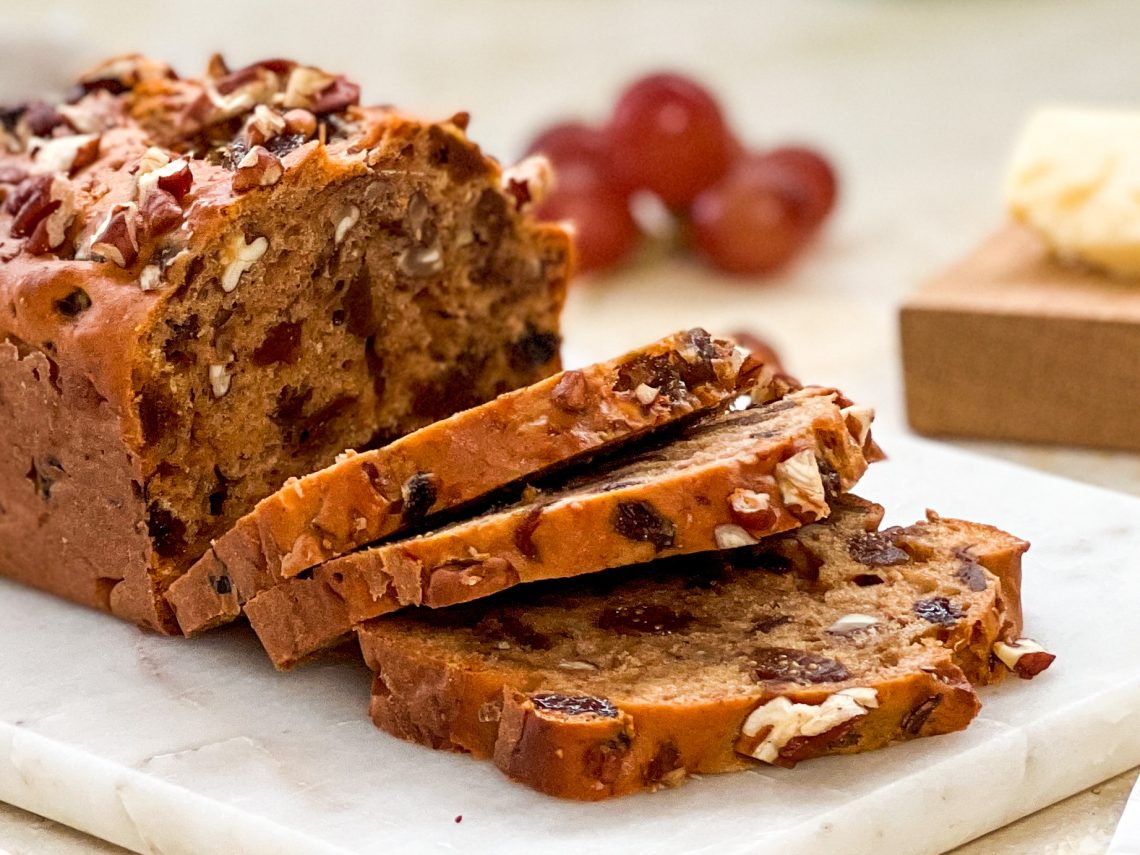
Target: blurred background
916	104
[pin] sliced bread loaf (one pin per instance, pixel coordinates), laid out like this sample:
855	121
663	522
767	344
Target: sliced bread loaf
364	497
722	482
834	638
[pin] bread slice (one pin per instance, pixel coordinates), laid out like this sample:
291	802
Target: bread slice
364	497
210	285
832	639
723	481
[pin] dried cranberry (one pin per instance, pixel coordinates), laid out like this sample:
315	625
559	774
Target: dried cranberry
875	550
785	663
640	521
645	619
938	610
574	704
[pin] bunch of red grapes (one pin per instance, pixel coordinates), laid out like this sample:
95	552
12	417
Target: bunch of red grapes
745	212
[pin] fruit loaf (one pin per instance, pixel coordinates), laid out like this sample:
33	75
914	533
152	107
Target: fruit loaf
364	497
208	286
832	639
723	481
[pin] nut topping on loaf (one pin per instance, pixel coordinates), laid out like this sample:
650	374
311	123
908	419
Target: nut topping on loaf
211	285
708	662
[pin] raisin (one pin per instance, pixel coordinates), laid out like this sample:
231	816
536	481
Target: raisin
43	474
866	580
644	620
938	610
221	584
506	626
282	144
913	721
524	533
419	494
282	345
462	160
972	575
666	760
574	704
74	304
767	624
875	550
700	370
640	521
785	663
661	372
534	349
490	218
804	747
167	532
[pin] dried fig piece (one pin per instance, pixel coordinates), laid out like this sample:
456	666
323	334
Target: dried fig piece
797	666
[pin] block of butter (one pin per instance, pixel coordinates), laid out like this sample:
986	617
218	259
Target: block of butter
1075	180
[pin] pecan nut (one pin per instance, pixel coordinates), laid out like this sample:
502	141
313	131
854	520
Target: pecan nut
116	239
259	168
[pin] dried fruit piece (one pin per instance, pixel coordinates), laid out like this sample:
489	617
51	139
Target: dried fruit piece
419	494
74	304
973	575
875	550
913	721
569	393
641	521
573	704
938	610
785	663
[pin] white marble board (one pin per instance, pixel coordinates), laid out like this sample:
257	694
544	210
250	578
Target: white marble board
164	746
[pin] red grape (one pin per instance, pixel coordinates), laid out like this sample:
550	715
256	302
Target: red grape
579	153
669	136
605	231
812	170
752	221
